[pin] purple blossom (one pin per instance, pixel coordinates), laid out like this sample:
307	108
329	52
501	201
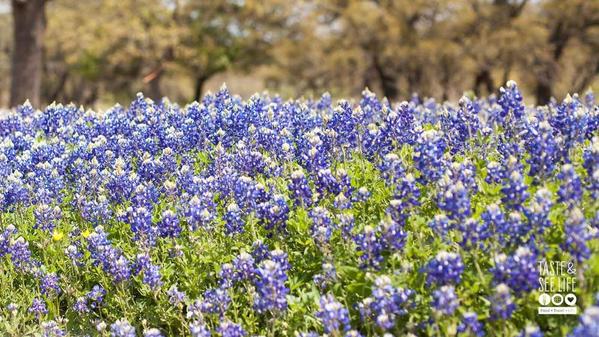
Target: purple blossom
122	328
230	329
444	268
38	308
445	300
470	325
271	289
333	315
502	304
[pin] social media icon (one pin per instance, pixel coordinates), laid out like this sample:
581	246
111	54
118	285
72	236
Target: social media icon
557	299
570	299
544	299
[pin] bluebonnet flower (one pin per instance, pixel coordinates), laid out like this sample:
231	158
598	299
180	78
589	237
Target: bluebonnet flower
169	225
333	315
327	277
234	223
391	168
470	325
49	284
226	276
176	297
370	247
393	237
444	268
428	155
322	225
5	241
531	331
441	225
362	194
51	329
454	199
341	202
95	296
80	305
445	300
271	288
152	333
273	214
140	220
376	141
510	100
515	231
325	182
386	303
281	258
199	212
260	251
151	272
95	210
46	217
398	210
515	192
103	253
570	191
20	254
591	165
474	234
569	120
121	181
518	271
344	181
407	191
243	267
38	308
216	301
542	147
346	223
502	304
494	217
230	329
588	323
122	328
300	189
495	173
577	236
198	329
537	212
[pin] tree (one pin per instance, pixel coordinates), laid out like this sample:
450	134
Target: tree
29	19
222	34
568	23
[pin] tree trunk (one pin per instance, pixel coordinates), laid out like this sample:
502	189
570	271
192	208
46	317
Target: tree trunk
62	81
29	24
543	92
199	87
483	79
154	90
388	81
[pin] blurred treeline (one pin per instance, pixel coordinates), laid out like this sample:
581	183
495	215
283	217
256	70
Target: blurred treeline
105	51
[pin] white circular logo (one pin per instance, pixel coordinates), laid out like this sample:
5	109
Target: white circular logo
557	299
570	299
544	299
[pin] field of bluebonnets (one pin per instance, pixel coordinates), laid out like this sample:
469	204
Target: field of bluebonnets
265	217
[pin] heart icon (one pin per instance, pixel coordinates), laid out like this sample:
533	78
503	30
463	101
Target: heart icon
570	299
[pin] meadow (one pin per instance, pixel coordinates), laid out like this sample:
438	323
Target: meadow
307	217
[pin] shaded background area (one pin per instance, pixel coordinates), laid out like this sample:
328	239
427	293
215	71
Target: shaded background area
99	52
